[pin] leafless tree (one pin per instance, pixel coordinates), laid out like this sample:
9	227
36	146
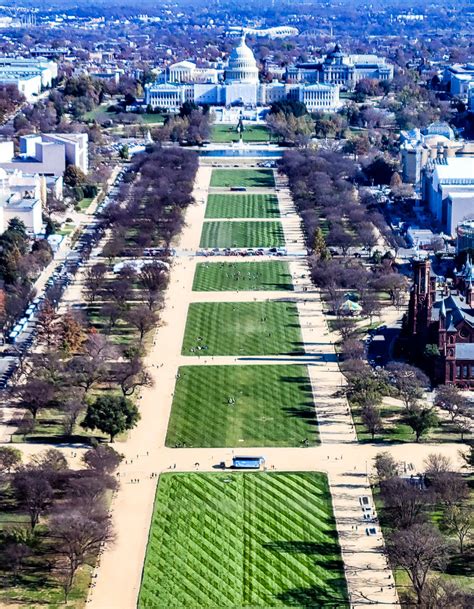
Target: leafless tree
409	382
371	419
103	459
405	503
143	319
417	550
385	466
79	534
34	492
94	279
459	520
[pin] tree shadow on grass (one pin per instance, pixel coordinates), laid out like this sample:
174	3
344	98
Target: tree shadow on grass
302	381
330	595
315	597
304	412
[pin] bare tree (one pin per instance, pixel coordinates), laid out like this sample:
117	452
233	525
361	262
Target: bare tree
417	550
35	395
385	466
153	277
79	535
34	492
10	458
406	504
133	375
409	382
459	520
440	593
103	459
452	401
371	419
143	319
94	279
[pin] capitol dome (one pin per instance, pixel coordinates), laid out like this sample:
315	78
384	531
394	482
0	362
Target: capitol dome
242	65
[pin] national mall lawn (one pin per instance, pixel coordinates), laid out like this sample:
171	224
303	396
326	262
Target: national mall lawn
235	540
242	276
242	328
242	405
242	206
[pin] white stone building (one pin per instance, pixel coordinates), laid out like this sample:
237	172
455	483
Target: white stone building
30	76
46	153
339	68
236	85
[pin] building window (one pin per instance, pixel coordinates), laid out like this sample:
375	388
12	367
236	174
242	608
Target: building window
458	372
465	371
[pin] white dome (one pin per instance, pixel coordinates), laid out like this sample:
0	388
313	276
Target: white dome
242	53
242	65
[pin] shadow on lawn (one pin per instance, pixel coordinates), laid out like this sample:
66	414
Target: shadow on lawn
329	595
302	381
305	412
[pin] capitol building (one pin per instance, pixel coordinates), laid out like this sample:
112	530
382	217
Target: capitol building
235	84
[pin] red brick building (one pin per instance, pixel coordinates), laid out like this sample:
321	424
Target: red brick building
444	317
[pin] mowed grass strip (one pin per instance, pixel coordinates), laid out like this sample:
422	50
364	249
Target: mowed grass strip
222	134
249	178
242	206
242	234
242	276
259	405
234	540
242	328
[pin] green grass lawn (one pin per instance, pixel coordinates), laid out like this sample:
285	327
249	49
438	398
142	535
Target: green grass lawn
223	134
396	430
234	540
242	276
250	178
242	206
242	328
85	203
264	405
242	234
152	119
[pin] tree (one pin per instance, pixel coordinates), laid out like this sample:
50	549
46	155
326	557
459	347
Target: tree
10	458
421	420
14	554
74	176
452	401
417	550
385	466
352	348
35	395
289	107
404	503
34	492
47	324
72	333
371	419
132	375
440	593
153	277
142	319
102	459
79	536
111	414
409	381
50	461
72	407
94	279
319	244
459	520
124	152
371	305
